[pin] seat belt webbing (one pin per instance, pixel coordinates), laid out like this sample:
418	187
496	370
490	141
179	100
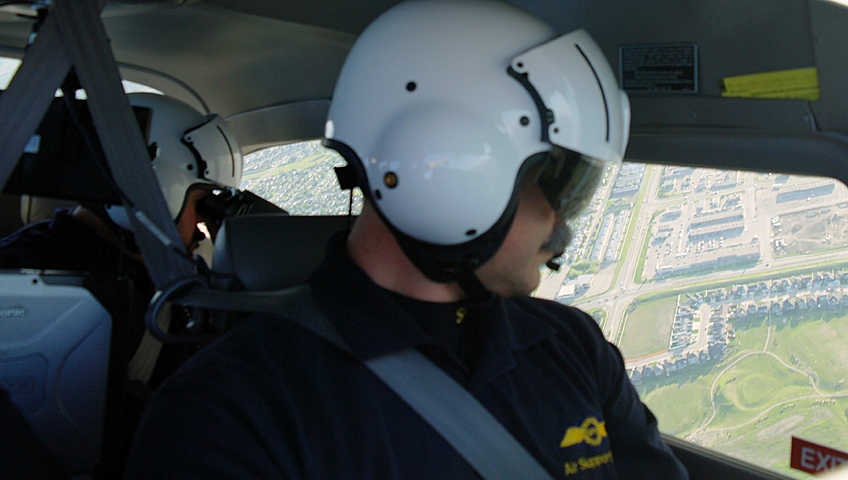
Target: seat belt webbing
458	417
87	44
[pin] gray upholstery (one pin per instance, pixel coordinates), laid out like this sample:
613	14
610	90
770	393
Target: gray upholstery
271	251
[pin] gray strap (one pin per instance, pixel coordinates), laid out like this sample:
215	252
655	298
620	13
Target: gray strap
73	34
458	417
448	407
30	92
87	45
296	303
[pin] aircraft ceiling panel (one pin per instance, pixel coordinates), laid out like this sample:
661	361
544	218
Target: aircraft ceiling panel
235	62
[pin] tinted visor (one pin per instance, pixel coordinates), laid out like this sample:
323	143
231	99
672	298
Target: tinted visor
222	203
217	151
568	181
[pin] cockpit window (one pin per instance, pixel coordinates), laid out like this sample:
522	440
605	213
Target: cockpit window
8	67
299	177
727	293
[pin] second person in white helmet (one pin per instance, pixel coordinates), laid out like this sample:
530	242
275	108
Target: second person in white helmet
191	154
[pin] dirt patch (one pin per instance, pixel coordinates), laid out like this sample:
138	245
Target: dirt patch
706	439
811	230
779	427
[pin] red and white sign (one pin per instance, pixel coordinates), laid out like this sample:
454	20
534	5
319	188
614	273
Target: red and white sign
814	458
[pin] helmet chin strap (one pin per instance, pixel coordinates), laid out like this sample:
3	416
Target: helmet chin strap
474	290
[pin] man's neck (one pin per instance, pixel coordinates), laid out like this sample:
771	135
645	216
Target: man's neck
372	246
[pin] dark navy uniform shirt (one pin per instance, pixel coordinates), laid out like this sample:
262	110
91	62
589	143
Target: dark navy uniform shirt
271	400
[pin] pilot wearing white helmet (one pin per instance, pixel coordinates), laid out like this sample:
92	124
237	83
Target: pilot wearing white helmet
476	133
191	154
442	147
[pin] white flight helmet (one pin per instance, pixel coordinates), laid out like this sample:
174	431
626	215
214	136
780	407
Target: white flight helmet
443	105
188	149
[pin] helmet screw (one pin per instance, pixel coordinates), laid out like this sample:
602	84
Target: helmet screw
410	87
524	120
390	179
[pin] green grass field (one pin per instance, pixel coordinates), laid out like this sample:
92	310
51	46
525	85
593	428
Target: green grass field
762	398
817	342
769	441
648	327
753	385
681	403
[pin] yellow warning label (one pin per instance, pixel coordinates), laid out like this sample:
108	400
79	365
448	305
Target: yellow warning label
800	83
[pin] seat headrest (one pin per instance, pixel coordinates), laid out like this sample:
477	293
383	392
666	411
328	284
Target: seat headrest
273	251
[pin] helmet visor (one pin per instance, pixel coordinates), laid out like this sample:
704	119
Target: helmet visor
218	152
568	180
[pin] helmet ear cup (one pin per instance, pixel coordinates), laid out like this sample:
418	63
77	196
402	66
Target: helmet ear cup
430	160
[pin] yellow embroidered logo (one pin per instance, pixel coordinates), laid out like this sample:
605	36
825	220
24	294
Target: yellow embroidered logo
591	431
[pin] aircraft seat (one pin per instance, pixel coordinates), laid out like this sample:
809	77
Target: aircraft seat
54	360
272	251
35	208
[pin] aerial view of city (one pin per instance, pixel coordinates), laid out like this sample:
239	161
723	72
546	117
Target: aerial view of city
726	291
